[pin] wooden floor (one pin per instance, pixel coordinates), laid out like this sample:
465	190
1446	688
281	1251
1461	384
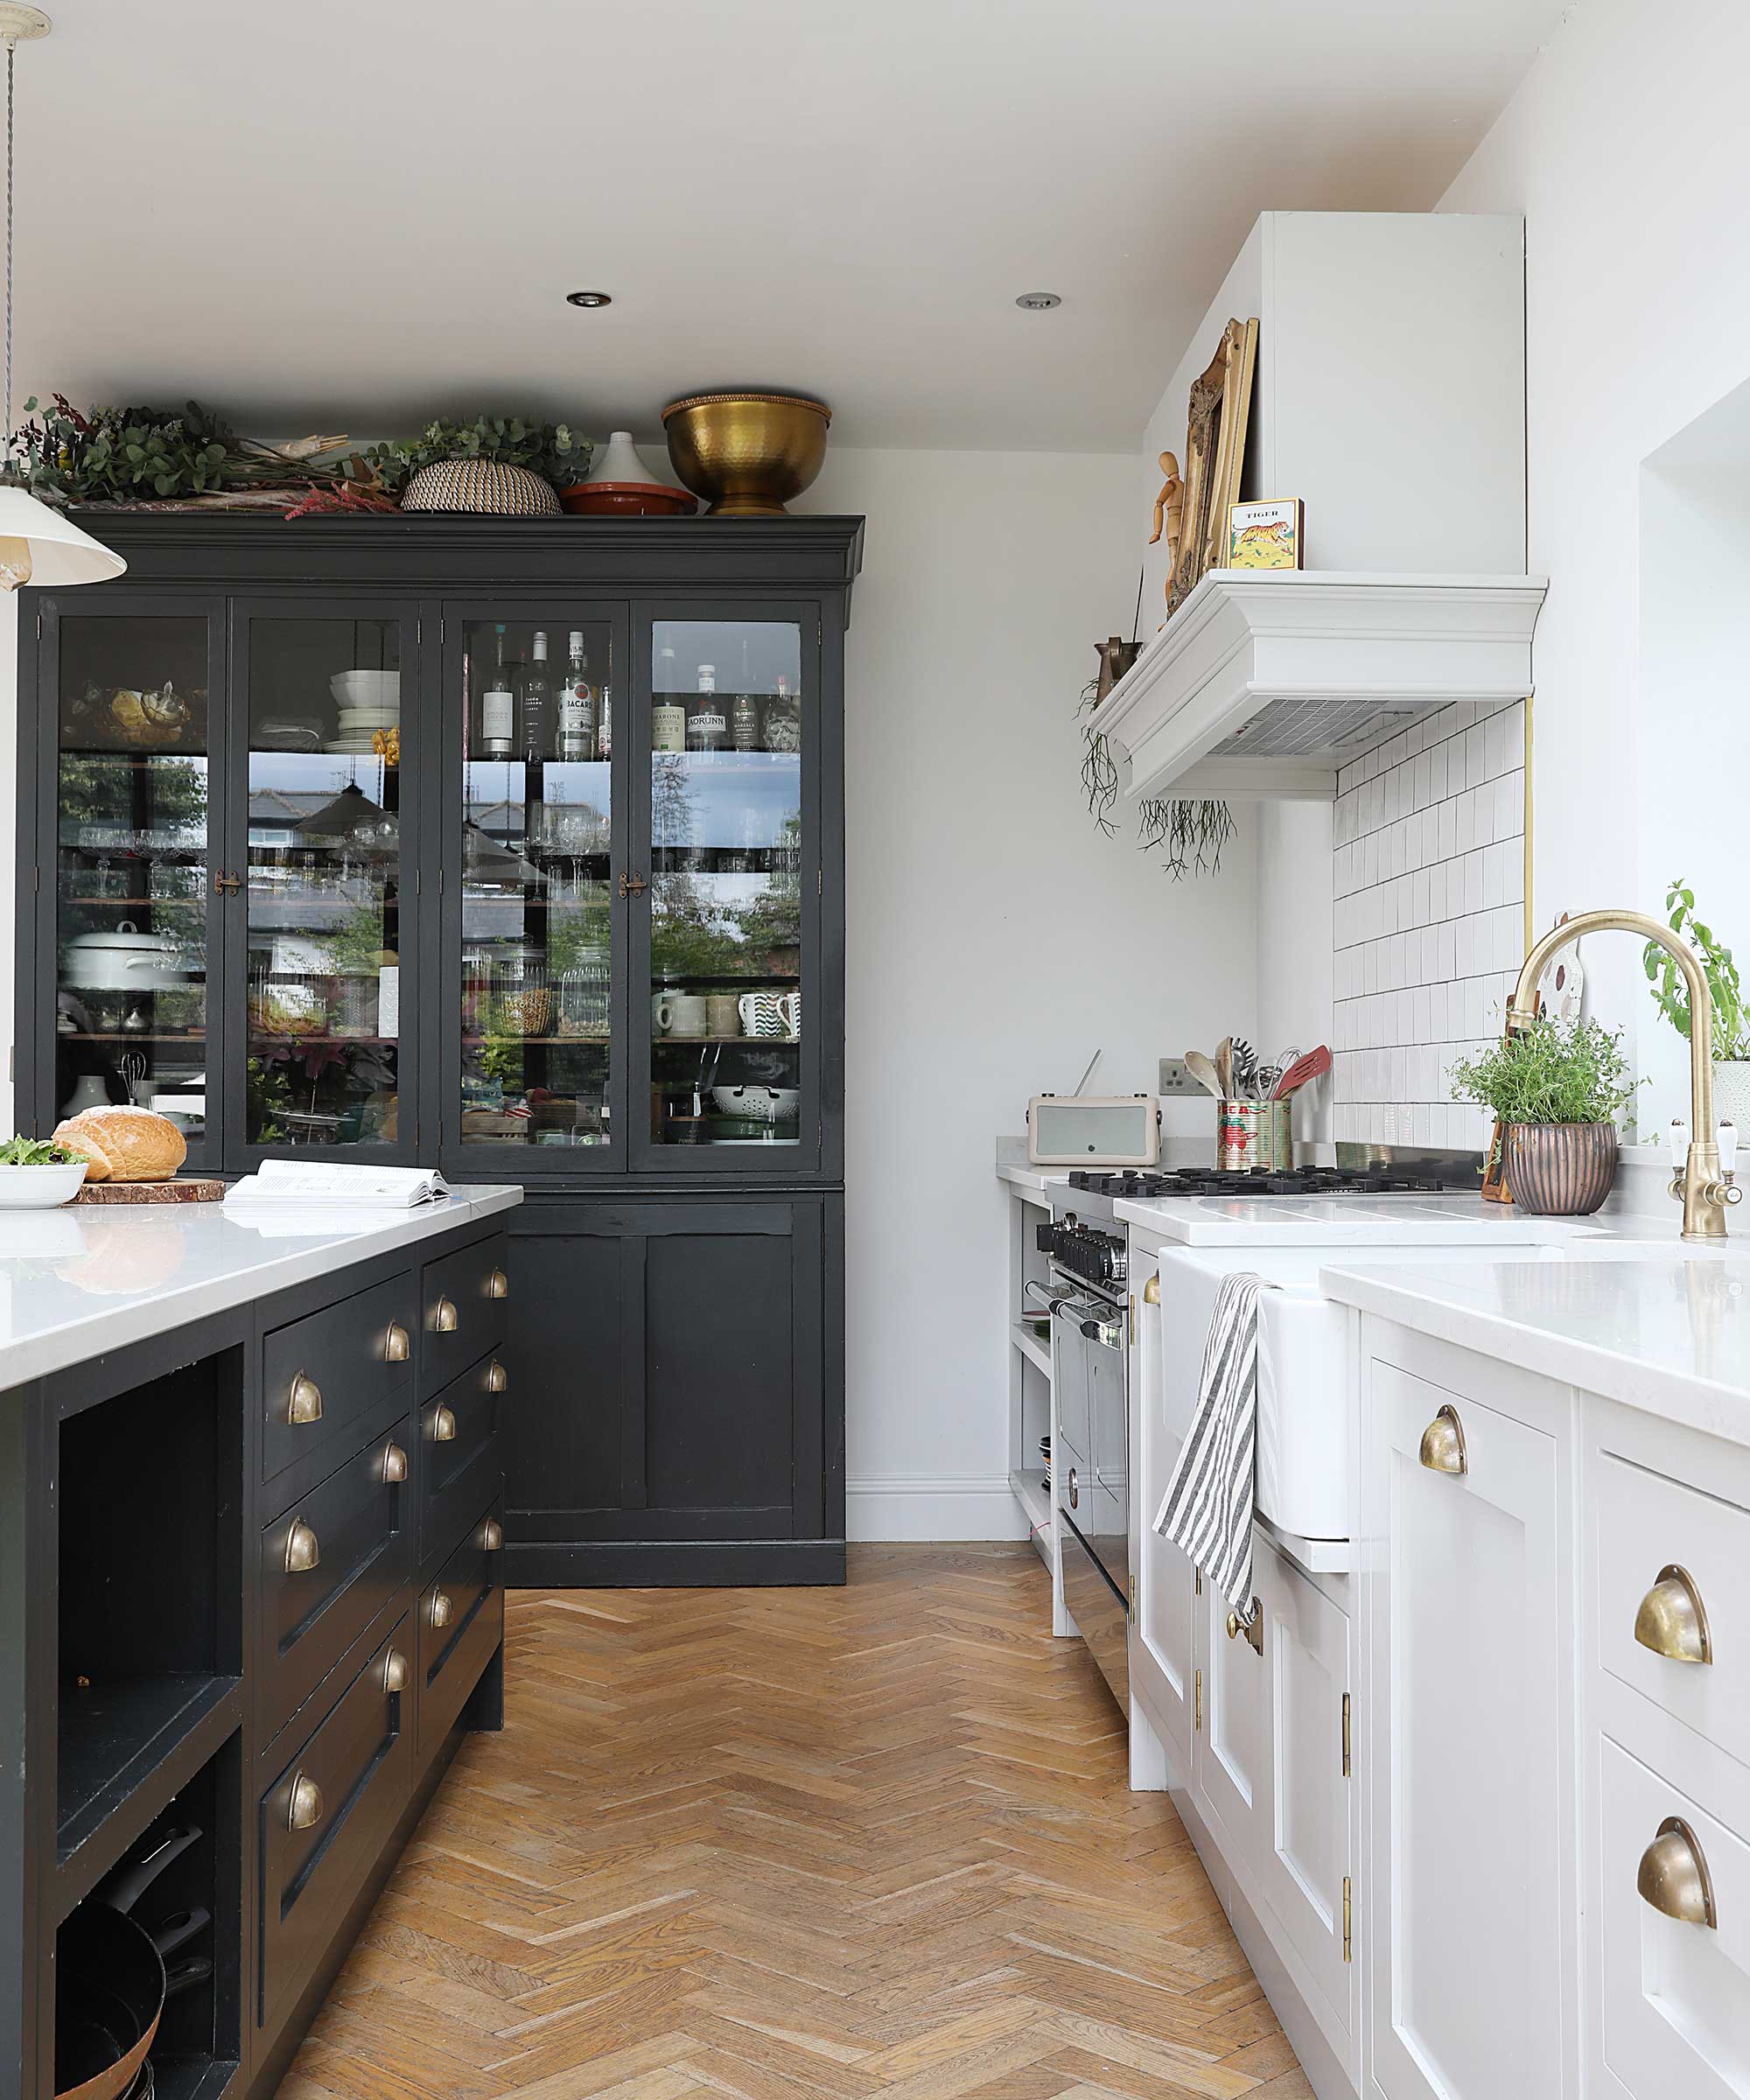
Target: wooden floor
777	1843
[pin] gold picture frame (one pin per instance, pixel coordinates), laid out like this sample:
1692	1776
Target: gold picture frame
1217	417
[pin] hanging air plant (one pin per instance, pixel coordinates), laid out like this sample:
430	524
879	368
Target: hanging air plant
1191	835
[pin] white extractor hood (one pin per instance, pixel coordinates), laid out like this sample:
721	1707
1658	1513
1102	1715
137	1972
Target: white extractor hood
1264	682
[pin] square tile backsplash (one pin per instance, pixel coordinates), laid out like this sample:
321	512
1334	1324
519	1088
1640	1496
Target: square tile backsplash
1430	933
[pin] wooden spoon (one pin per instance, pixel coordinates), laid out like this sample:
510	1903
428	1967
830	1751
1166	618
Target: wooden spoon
1202	1069
1224	1066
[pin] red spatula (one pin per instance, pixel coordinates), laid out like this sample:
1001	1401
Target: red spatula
1314	1065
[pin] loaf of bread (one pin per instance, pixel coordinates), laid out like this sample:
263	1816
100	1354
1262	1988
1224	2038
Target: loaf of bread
124	1144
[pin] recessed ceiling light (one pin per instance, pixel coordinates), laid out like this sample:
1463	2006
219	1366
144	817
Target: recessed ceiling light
588	298
1038	301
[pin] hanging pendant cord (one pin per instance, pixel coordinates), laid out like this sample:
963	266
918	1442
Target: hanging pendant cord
11	54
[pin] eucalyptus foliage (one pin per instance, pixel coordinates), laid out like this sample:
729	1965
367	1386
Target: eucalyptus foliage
1555	1072
554	451
1671	994
129	455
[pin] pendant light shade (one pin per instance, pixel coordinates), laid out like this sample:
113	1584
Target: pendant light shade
38	545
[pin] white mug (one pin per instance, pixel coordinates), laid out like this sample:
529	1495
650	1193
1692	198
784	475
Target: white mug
681	1013
762	1013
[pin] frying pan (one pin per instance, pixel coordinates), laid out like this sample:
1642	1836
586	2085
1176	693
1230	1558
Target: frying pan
111	1984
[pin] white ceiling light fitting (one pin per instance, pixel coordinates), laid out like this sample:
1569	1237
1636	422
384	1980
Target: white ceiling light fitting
589	298
1039	302
37	544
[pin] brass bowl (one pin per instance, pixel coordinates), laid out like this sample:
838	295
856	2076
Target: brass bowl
746	454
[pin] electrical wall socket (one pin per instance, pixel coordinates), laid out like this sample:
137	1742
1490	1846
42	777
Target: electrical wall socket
1175	1079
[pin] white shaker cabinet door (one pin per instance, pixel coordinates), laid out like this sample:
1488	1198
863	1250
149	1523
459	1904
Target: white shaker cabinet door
1161	1661
1307	1851
1228	1756
1466	1630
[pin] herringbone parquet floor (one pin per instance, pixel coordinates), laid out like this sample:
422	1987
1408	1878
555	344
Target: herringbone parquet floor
772	1844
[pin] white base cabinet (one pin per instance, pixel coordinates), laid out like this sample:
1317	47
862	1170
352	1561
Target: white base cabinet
1471	1781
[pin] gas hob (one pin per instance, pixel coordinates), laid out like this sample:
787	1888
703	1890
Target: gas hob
1139	1186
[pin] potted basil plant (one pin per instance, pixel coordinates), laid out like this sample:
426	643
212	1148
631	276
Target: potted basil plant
1557	1090
1731	1021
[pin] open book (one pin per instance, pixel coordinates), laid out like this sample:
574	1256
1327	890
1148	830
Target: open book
290	1184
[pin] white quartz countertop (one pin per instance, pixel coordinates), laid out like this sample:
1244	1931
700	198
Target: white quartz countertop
1663	1329
84	1279
1456	1218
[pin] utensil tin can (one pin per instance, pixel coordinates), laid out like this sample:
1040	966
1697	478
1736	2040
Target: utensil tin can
1276	1136
1236	1135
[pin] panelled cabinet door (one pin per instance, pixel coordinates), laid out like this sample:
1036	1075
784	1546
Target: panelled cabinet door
1161	1660
1230	1756
1465	1918
1308	1840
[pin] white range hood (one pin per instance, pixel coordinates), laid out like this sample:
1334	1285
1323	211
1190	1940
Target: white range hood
1265	683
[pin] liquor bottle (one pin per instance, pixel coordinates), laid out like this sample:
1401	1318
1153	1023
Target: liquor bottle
706	727
605	734
497	706
537	704
668	708
783	720
576	706
743	711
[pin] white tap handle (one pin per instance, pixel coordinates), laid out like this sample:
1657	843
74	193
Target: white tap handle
1680	1142
1727	1135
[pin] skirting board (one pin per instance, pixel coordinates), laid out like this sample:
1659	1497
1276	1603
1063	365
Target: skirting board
923	1509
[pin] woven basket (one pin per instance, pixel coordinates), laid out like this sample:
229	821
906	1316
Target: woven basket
486	485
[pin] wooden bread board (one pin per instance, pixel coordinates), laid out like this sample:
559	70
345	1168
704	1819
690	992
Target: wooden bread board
195	1189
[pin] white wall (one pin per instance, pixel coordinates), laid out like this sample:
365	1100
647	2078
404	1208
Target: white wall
996	940
1625	150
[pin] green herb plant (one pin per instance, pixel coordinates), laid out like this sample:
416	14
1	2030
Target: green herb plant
134	455
1555	1072
554	451
1671	994
38	1151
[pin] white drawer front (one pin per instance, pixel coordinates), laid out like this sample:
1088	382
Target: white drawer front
1676	1997
1645	1525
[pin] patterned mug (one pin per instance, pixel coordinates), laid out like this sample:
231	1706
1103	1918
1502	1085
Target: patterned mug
762	1013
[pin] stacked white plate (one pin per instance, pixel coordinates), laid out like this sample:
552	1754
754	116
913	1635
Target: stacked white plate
368	701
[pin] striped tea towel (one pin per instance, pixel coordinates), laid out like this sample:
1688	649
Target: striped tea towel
1207	1510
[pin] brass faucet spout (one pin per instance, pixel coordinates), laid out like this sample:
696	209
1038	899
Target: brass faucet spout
1703	1193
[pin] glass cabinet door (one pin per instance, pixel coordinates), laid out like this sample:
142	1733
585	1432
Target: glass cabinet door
325	918
133	946
537	978
730	739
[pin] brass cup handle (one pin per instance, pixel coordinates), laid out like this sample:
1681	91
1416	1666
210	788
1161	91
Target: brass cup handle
1443	1444
491	1535
1251	1628
396	1675
303	1810
1672	1619
496	1381
1673	1876
443	1317
443	1426
394	1465
498	1284
1075	1490
1152	1292
397	1343
440	1609
304	1403
302	1552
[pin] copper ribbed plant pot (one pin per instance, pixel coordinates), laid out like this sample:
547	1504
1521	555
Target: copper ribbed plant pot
746	454
1560	1170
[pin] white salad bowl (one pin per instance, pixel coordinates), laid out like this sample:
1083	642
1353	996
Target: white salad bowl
40	1187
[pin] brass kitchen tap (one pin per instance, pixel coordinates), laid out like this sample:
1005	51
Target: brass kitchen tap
1705	1191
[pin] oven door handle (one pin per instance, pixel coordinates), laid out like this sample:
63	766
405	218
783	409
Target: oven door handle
1096	1322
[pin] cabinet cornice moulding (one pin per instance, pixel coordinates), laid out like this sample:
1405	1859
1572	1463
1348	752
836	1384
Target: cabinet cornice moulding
1263	683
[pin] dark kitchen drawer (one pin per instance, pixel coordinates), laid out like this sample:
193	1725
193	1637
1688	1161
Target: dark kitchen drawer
461	1623
461	1470
462	1305
346	1788
322	1373
329	1565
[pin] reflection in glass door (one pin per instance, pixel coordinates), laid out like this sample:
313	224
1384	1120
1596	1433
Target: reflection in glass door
726	731
538	826
132	866
325	891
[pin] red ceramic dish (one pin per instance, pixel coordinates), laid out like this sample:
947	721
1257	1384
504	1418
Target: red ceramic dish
627	499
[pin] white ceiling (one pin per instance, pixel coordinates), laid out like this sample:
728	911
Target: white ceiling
352	214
